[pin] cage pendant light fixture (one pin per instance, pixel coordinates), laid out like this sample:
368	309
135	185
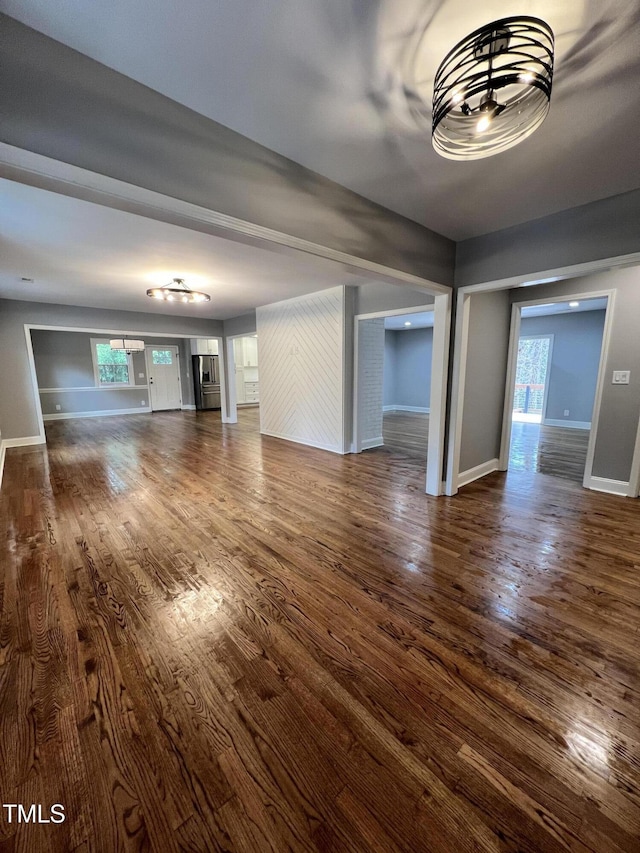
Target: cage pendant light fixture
493	89
177	291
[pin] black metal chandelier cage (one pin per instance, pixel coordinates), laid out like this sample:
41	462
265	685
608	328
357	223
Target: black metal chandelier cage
493	89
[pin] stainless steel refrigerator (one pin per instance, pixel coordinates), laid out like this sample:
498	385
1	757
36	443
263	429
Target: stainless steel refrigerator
206	381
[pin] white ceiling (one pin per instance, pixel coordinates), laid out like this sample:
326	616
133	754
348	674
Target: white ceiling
545	310
414	321
80	253
325	83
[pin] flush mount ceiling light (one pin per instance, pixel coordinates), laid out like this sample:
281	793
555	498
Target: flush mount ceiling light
129	345
177	291
493	89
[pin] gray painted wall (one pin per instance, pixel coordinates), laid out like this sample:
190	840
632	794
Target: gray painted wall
380	296
489	321
18	418
71	108
620	410
245	324
407	367
603	229
575	358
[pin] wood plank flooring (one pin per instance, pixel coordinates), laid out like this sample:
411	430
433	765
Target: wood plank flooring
212	640
557	451
407	433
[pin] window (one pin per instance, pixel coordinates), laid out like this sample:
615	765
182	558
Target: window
110	366
162	356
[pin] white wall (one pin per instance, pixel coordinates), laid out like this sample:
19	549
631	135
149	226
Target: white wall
302	369
370	382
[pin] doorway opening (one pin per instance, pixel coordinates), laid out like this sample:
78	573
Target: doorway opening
399	384
557	364
244	380
532	378
408	348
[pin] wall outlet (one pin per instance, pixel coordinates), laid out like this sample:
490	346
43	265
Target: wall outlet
58	407
566	413
621	377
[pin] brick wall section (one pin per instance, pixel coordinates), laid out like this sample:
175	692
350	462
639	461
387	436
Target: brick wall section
370	375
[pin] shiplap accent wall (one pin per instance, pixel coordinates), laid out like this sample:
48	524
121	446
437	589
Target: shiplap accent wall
370	381
302	355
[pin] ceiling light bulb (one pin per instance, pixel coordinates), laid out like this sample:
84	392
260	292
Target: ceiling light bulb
407	323
457	98
526	77
574	304
483	124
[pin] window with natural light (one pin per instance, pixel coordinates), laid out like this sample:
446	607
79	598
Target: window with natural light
111	366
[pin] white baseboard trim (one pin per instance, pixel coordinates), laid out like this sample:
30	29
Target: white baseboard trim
603	484
372	442
394	408
67	416
188	407
24	441
569	424
466	477
95	388
306	443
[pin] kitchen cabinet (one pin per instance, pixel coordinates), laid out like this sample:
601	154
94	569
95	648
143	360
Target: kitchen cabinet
250	352
251	394
245	351
202	346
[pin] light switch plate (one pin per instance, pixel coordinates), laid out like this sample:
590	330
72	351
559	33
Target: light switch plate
621	377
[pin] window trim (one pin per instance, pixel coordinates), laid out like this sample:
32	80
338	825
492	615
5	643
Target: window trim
96	372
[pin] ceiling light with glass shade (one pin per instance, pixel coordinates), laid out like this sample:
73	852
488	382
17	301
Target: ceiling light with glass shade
493	89
177	291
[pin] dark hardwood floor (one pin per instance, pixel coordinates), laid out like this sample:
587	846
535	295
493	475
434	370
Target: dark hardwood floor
406	433
212	640
557	451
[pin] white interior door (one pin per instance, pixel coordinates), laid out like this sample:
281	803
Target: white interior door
163	372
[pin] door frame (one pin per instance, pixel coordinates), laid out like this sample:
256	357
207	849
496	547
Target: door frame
441	307
41	438
460	350
147	349
231	366
514	337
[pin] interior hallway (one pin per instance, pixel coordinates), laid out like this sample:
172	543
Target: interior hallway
214	640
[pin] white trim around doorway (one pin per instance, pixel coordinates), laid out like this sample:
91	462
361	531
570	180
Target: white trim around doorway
513	356
135	333
456	479
441	307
